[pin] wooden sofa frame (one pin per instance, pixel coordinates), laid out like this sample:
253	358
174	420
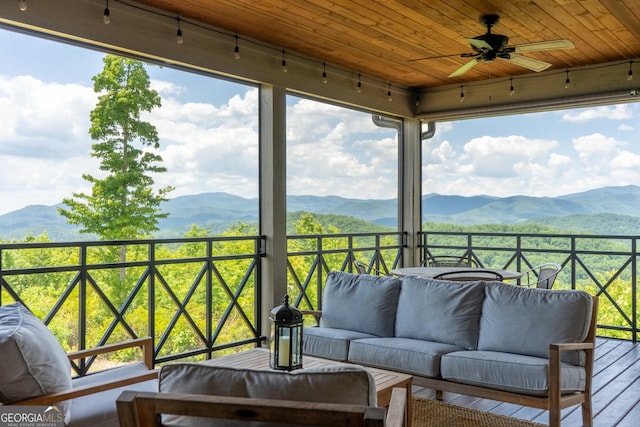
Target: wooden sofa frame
147	350
554	402
142	409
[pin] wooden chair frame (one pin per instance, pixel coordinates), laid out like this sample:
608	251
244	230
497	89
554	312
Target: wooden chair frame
143	409
147	350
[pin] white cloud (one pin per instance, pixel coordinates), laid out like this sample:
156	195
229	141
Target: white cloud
615	112
625	127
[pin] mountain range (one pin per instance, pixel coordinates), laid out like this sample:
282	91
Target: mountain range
607	210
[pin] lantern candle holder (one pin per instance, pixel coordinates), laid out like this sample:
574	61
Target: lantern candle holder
285	345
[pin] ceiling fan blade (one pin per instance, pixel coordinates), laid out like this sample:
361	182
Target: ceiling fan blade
466	67
479	44
548	45
530	63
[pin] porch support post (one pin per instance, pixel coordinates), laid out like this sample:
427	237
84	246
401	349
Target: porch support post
273	194
410	191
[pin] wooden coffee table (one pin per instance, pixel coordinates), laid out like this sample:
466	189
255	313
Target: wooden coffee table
258	358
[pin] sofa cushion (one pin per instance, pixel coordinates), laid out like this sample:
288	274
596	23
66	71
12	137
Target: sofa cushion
439	310
360	302
411	356
329	343
33	362
526	320
509	372
343	383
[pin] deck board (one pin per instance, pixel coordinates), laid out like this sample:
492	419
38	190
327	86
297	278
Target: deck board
616	391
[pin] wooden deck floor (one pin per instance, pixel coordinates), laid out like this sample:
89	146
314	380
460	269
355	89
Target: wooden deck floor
616	391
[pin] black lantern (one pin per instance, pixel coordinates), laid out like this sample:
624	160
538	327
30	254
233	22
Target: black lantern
286	337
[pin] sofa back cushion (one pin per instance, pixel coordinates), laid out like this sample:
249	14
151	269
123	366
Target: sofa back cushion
526	320
443	311
33	362
360	302
346	384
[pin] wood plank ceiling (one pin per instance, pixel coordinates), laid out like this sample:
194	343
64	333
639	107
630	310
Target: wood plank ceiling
385	39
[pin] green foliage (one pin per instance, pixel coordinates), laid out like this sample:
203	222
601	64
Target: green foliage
122	205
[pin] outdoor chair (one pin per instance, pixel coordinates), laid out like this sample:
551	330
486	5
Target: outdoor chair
542	276
35	370
362	268
142	409
449	261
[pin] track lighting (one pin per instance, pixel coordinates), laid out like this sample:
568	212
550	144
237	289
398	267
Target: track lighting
359	85
511	89
630	73
461	94
179	32
236	50
284	63
567	81
22	5
389	93
106	17
324	72
417	100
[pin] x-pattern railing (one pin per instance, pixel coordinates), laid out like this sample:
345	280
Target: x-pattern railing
227	276
311	257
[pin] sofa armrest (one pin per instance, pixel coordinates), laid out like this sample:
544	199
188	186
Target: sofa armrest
84	390
315	313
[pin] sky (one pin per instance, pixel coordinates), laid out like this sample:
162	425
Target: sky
208	132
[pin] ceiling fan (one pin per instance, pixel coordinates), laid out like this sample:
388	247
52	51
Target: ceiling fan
488	47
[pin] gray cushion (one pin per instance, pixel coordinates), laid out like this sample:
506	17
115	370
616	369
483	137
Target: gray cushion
439	310
509	372
525	320
33	362
360	302
343	383
329	343
400	354
99	409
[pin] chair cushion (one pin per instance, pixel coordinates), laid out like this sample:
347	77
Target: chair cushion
526	320
509	372
440	310
360	302
99	409
347	384
33	362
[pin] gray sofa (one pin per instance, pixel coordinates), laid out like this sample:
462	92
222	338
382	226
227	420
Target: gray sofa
488	339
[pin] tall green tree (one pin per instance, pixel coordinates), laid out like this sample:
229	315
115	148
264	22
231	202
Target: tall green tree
122	204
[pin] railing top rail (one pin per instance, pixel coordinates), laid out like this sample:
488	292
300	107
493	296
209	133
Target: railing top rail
558	235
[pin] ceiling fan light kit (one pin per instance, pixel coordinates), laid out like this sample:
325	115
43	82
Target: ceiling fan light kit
489	46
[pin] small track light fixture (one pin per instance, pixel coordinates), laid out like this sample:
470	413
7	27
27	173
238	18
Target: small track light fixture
324	72
511	89
179	32
106	17
567	82
461	94
359	85
389	93
284	62
236	50
22	5
630	73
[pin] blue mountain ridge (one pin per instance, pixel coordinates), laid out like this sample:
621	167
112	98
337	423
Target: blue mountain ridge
217	211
